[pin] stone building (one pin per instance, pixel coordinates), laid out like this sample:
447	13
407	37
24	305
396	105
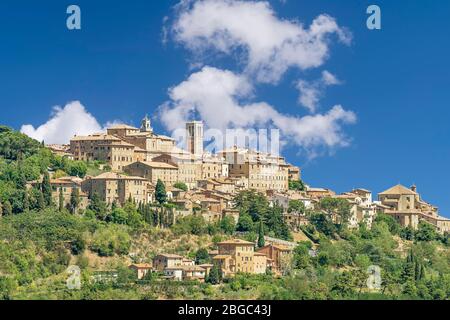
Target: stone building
113	187
144	138
294	173
263	171
280	255
67	185
164	261
194	138
189	167
238	256
103	147
407	207
154	171
214	167
141	269
319	193
61	150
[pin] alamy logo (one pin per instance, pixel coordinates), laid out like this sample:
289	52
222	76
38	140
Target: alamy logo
73	22
374	280
374	20
73	282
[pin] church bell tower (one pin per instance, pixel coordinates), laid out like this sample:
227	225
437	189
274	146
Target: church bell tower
146	125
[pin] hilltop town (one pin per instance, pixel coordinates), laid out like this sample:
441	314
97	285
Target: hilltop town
134	161
137	216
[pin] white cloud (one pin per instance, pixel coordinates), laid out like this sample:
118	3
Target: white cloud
309	94
329	79
312	92
218	97
271	45
64	123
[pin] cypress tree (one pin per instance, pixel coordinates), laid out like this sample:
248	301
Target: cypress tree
74	200
214	276
161	218
7	208
40	200
26	202
160	192
422	272
155	218
171	217
261	240
61	200
47	189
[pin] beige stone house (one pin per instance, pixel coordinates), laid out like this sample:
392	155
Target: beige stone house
67	185
189	167
144	138
319	193
235	256
141	269
165	261
113	187
280	256
103	147
154	171
213	167
407	207
294	172
263	171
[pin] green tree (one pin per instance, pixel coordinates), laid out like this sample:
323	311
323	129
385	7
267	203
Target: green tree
275	223
301	257
407	233
197	224
78	245
341	207
323	224
7	208
74	200
47	189
119	216
7	286
227	225
297	185
425	232
394	226
61	200
214	276
202	256
245	223
77	169
99	207
181	186
296	206
160	192
15	145
261	239
26	201
344	285
134	218
40	203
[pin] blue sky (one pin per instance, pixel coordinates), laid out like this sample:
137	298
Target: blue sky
394	80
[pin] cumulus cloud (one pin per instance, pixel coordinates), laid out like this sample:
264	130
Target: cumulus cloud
221	99
64	123
312	92
271	45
